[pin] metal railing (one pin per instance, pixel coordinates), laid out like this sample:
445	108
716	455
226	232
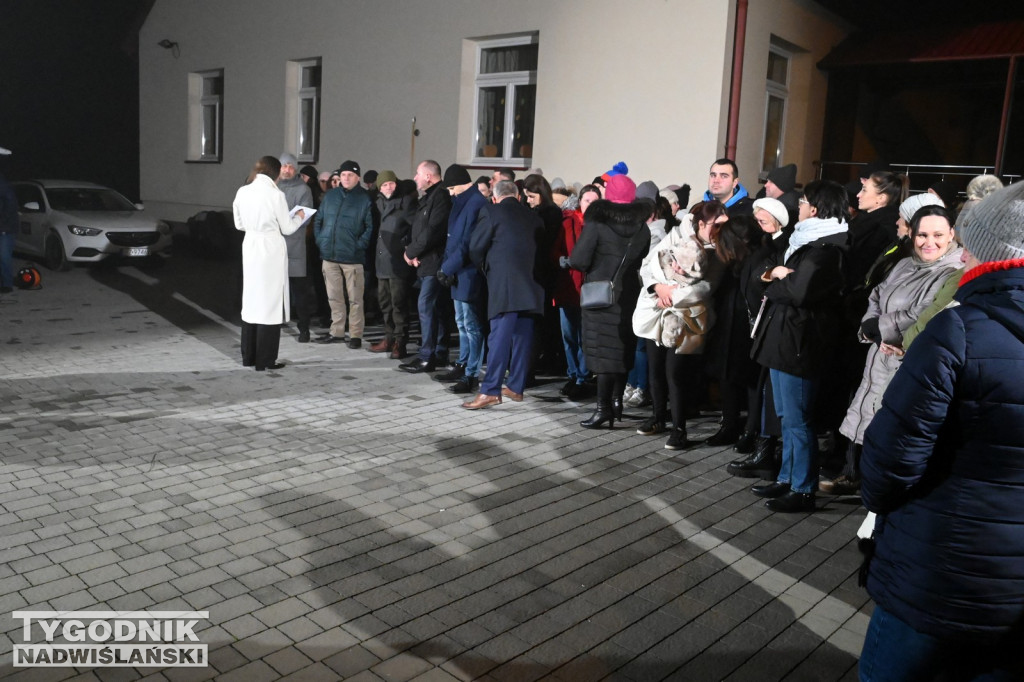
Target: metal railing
921	176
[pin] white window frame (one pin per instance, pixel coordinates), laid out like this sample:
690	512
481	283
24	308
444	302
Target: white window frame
510	79
296	95
779	91
197	129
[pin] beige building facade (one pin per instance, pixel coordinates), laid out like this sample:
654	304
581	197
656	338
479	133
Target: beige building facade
646	82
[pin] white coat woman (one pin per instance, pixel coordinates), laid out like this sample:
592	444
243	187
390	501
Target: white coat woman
262	213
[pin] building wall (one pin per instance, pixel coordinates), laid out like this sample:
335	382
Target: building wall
803	24
645	82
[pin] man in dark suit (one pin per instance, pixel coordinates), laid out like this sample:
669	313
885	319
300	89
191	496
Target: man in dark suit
503	246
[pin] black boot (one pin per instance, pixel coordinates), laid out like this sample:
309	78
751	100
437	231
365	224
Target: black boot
603	413
760	464
746	443
618	387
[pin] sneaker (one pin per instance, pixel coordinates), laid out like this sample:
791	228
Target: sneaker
677	440
840	485
627	394
636	398
652	427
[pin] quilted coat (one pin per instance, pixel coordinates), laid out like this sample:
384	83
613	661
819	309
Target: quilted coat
943	467
896	302
608	340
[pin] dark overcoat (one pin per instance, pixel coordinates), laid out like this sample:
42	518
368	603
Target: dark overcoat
429	229
504	245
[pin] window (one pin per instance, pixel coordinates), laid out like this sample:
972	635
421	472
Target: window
206	115
303	120
775	108
506	97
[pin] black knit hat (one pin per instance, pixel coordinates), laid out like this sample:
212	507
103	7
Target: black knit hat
351	166
784	177
456	175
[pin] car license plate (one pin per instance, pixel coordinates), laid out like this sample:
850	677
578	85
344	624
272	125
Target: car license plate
138	251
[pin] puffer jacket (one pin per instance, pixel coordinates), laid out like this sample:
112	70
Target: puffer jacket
896	303
604	248
344	225
943	467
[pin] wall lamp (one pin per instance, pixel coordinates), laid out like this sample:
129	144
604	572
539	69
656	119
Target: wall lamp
170	45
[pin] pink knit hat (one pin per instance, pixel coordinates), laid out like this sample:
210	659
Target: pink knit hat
620	189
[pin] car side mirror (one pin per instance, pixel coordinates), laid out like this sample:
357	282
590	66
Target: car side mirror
31	206
139	205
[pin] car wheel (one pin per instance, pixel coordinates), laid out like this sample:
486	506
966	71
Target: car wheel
55	257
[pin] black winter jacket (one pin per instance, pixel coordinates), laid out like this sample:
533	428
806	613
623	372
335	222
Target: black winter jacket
800	326
608	339
429	231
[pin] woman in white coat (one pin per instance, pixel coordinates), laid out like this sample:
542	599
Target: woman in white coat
262	213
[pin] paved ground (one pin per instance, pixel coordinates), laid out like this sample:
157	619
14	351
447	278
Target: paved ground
342	520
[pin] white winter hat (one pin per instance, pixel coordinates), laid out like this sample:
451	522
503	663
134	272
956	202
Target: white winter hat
918	201
775	207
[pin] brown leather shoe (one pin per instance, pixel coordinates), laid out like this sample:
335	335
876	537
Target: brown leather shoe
382	346
511	395
398	351
482	401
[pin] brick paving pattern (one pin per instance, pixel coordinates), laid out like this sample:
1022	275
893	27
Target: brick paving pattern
342	520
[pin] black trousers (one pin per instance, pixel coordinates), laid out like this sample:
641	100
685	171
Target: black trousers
302	300
674	380
259	344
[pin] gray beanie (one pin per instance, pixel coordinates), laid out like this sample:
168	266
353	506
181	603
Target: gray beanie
647	190
994	229
287	159
917	201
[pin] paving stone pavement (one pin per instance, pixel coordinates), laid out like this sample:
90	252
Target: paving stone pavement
340	519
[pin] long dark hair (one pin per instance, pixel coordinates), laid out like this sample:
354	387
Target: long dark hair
267	165
706	212
731	244
536	184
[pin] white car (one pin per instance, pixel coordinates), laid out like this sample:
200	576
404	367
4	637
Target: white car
66	222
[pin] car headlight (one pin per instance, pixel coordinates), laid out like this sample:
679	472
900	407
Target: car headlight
84	231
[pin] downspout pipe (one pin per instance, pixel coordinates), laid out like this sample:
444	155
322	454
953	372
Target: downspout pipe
1004	124
739	44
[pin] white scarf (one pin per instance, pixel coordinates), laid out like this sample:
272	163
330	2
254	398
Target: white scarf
811	230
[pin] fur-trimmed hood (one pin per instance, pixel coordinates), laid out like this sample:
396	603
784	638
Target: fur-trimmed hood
621	218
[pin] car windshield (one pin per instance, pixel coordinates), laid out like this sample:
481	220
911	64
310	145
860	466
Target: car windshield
87	199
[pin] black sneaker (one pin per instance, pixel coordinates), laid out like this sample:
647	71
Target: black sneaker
677	440
652	427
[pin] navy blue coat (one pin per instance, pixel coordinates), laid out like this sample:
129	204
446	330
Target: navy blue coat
469	283
943	466
504	245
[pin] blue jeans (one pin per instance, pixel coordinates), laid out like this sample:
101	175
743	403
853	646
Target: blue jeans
6	259
794	403
509	348
895	651
433	328
571	319
638	376
471	336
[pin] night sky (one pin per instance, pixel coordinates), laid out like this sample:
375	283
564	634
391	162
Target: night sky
69	101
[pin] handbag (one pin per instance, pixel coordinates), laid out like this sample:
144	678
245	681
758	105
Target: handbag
597	295
601	292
